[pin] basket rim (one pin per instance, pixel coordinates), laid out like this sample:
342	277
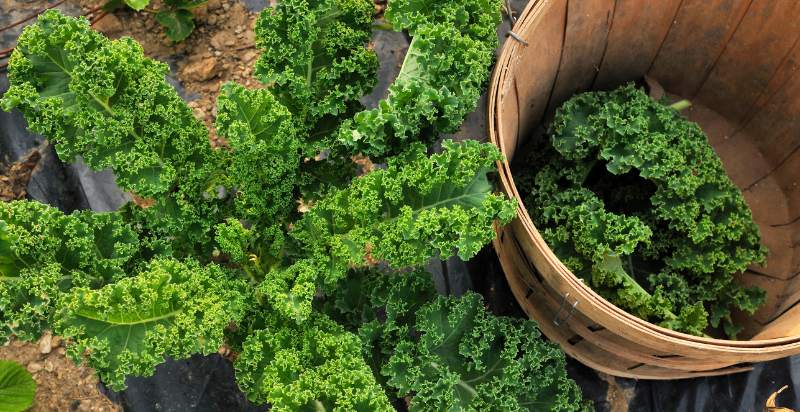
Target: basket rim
494	115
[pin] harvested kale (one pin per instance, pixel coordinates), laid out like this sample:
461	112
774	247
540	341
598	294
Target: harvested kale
633	199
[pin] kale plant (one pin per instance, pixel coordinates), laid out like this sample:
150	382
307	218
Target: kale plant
633	199
253	245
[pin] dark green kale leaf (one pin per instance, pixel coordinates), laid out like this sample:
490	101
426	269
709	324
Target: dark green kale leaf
449	353
634	199
316	61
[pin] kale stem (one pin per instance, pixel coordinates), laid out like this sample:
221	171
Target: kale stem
681	104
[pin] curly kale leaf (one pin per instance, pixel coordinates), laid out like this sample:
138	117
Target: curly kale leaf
380	307
172	308
313	366
265	152
634	198
418	208
45	253
468	359
449	353
439	83
475	18
315	60
104	101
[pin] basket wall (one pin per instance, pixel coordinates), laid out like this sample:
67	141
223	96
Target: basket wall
738	63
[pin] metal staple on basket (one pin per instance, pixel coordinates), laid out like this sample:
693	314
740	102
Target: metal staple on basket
517	37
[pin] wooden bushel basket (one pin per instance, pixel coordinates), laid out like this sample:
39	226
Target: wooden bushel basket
739	63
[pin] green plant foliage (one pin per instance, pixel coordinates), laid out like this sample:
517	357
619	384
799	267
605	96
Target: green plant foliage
440	80
174	15
315	61
316	366
17	387
449	353
633	199
171	308
178	24
105	101
475	18
417	208
266	152
137	5
231	246
44	253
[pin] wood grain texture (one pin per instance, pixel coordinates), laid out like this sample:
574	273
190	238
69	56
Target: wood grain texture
766	35
536	69
638	30
585	37
698	36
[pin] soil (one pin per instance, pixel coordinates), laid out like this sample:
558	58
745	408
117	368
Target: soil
14	180
60	385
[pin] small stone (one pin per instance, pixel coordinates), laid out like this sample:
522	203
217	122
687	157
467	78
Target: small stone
61	351
46	343
56	341
110	24
249	37
217	53
249	56
226	6
223	40
201	70
212	18
213	4
48	366
34	367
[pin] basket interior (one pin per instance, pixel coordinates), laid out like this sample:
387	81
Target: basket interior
739	65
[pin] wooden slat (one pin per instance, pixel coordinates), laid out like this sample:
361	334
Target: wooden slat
786	325
637	32
774	120
699	33
763	39
535	71
584	44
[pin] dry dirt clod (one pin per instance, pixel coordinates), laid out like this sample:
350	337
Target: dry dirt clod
201	70
46	343
109	24
222	40
34	367
14	180
249	56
